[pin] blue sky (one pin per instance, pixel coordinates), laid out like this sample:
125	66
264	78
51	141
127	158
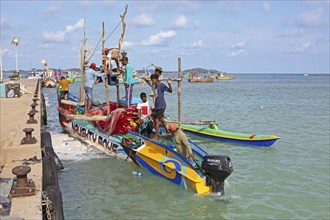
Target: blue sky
232	36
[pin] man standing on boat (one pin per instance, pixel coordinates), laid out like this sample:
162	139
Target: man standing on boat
90	80
160	104
128	81
64	85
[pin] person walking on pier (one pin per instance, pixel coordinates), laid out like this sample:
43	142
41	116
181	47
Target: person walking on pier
160	104
91	75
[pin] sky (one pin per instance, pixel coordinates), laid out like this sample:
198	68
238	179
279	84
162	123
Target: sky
232	36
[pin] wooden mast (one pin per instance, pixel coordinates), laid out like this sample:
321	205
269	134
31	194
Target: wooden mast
119	47
179	91
82	82
104	68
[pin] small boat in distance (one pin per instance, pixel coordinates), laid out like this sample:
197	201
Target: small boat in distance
195	78
224	76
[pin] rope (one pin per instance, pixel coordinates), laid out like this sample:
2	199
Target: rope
97	48
48	203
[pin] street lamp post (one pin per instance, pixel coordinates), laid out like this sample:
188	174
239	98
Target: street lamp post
15	41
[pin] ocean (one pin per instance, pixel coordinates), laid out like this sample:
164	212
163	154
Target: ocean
289	180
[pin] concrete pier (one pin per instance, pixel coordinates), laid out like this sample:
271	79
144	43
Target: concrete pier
14	114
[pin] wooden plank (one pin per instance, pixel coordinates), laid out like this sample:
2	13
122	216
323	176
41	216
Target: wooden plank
72	103
200	122
87	118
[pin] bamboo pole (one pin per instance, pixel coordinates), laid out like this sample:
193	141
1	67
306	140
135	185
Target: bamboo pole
104	57
82	82
179	92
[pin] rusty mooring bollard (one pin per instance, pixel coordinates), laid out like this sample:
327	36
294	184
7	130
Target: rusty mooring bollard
31	119
35	100
21	173
23	186
28	137
33	106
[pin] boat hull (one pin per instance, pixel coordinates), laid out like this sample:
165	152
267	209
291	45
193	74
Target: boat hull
232	137
165	162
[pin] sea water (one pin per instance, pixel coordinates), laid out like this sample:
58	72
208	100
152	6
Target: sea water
289	180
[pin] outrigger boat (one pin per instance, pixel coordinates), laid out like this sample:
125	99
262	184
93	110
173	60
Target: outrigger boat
214	133
112	130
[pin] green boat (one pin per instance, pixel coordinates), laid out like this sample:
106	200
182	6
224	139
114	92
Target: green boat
214	133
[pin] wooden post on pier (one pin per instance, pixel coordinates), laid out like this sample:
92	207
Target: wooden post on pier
179	91
104	68
82	82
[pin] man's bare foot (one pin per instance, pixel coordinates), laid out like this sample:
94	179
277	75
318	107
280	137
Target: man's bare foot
88	115
154	138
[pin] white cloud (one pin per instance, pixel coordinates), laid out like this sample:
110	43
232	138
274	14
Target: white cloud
72	28
310	19
195	45
238	53
239	45
127	44
304	47
143	20
160	38
180	22
294	33
8	53
60	36
266	8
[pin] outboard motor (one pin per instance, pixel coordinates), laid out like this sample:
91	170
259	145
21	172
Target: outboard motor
217	168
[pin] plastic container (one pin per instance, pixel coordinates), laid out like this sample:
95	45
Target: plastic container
136	173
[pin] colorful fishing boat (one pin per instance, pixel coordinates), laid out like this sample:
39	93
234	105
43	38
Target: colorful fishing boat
214	133
204	175
112	129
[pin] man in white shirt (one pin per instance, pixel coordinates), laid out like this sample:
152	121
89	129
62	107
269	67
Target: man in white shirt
144	115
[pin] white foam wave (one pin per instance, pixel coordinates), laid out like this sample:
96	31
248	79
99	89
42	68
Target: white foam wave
70	149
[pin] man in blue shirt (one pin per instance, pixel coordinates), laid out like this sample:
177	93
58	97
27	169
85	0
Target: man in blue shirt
128	81
160	104
91	75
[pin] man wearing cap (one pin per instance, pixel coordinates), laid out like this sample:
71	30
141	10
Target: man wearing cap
123	54
91	75
180	141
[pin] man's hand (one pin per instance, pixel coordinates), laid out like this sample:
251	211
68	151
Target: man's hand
169	81
192	156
